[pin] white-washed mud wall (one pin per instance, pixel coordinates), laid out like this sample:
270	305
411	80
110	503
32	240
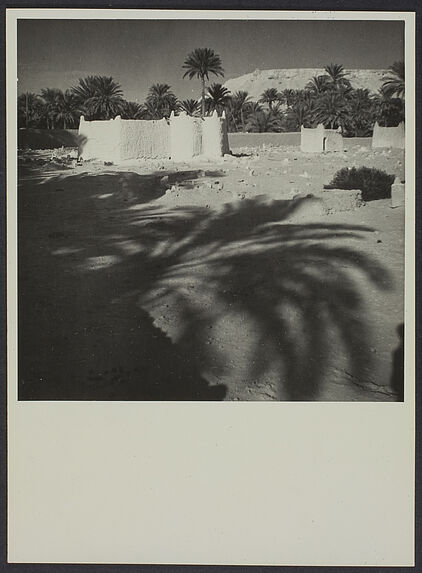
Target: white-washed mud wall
185	137
389	136
332	141
99	139
181	138
215	141
319	139
144	139
311	139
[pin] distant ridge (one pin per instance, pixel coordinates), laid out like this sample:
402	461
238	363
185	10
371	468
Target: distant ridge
297	78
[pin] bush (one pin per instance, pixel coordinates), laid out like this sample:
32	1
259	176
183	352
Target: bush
373	183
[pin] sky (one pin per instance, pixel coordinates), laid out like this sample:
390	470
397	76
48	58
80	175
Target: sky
139	53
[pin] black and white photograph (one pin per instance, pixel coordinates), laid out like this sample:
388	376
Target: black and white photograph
211	210
210	281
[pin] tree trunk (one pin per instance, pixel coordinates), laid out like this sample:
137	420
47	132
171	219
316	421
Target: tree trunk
203	97
26	110
242	119
64	123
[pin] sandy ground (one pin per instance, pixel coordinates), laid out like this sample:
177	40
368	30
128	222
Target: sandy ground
207	281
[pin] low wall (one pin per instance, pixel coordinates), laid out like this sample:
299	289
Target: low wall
180	138
31	138
311	140
333	140
389	136
291	139
238	140
319	139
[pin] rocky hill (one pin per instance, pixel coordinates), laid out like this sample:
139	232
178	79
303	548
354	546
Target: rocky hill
259	80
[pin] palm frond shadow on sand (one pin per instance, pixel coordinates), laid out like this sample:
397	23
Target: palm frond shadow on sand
301	290
300	286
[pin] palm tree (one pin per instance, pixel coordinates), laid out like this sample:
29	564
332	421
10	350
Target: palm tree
29	109
240	99
394	84
360	113
389	111
189	106
67	109
299	113
264	122
269	96
149	110
162	100
337	75
289	96
51	97
132	110
99	96
318	85
200	63
330	110
217	98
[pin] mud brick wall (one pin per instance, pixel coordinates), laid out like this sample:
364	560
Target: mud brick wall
388	136
179	138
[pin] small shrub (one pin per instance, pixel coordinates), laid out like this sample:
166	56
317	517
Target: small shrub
373	183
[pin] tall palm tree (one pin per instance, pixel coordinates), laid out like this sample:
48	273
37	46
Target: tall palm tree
217	98
189	106
394	84
100	96
68	111
162	99
51	97
270	96
200	63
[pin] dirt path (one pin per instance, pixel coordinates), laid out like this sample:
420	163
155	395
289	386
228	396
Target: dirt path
207	281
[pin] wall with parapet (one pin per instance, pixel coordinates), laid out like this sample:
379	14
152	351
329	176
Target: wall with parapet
215	142
388	136
180	138
100	139
319	139
185	137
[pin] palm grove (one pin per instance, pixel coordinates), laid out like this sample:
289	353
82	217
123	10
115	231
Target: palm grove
329	99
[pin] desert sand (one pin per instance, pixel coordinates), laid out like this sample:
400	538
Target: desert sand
230	279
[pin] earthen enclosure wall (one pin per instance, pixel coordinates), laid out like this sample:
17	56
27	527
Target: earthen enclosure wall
389	136
311	139
144	138
180	138
319	139
100	139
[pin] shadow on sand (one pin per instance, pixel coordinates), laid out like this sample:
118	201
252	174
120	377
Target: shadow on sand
85	333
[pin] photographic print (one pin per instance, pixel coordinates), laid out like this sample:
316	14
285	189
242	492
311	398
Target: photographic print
211	210
210	287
